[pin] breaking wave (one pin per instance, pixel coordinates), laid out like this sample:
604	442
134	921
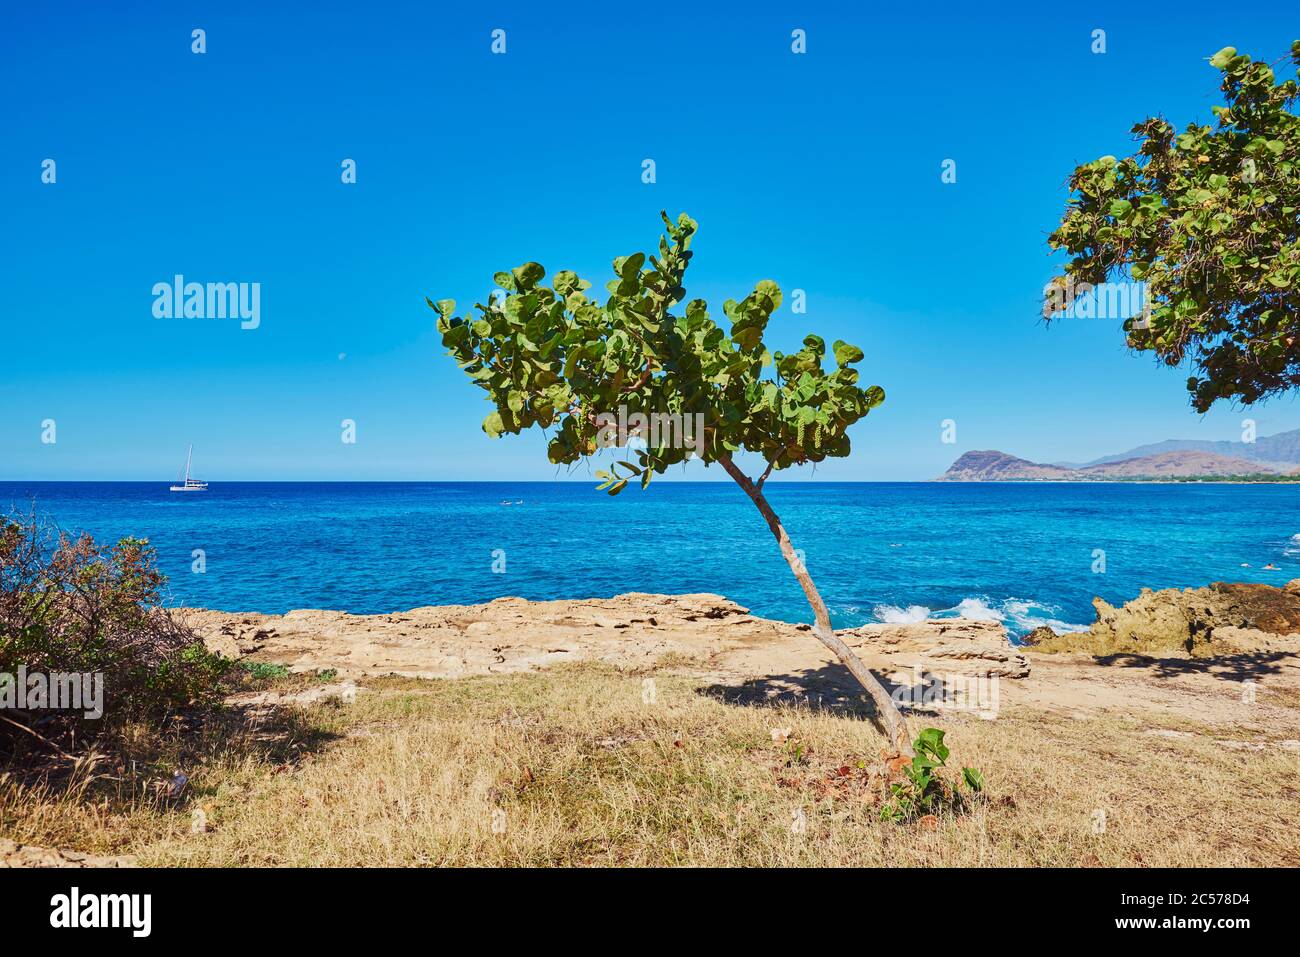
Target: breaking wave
893	615
1019	615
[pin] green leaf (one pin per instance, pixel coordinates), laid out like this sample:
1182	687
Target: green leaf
1223	57
768	288
528	275
444	307
922	766
455	335
566	282
493	425
629	267
846	354
550	345
930	741
973	778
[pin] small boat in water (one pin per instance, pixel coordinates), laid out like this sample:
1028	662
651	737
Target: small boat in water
188	484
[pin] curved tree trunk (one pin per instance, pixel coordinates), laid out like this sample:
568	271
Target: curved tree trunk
890	717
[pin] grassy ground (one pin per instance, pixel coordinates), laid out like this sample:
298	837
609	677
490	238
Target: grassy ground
572	767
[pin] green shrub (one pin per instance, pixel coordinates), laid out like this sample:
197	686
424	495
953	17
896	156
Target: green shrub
264	671
69	605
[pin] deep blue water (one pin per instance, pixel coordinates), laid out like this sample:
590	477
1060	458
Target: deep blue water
1022	552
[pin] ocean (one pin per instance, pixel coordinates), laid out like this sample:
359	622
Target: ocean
1024	554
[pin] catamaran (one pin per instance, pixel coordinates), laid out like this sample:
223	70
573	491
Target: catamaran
189	484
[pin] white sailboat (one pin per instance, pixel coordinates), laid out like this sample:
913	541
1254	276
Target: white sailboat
188	484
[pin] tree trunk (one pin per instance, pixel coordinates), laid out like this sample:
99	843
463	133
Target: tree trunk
890	717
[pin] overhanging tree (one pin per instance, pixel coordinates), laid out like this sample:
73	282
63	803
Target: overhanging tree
553	357
1207	218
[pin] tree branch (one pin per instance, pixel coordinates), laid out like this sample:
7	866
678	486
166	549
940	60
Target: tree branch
642	380
39	737
770	465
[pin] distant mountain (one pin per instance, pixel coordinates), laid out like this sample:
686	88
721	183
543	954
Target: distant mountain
994	466
1281	449
1180	464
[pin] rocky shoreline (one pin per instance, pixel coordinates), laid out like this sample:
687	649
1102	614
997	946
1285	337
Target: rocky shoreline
1224	618
631	630
1185	652
636	629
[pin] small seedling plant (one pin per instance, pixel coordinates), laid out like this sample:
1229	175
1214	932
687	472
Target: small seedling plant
923	789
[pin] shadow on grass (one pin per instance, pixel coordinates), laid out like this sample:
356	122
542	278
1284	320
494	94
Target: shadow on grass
830	688
134	761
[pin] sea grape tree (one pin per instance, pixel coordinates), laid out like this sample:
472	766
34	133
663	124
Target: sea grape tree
556	357
1209	220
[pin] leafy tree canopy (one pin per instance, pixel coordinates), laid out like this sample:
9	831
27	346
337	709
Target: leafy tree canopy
1208	219
554	356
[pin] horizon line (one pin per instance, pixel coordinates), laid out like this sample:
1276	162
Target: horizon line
592	480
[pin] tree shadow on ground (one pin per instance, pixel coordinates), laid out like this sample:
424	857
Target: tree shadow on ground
131	761
1227	667
830	689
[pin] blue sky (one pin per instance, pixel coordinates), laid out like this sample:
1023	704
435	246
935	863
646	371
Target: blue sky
821	171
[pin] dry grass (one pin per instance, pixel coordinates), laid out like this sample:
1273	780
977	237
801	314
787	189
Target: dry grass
585	772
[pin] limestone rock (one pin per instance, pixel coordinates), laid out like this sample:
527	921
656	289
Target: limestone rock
1038	635
26	855
1224	618
630	630
952	645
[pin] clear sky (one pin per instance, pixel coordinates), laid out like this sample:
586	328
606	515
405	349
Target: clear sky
821	171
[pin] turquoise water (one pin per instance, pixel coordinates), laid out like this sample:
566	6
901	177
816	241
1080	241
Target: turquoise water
1022	553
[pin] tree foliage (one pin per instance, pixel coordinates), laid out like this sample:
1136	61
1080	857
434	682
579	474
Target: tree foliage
556	357
1207	218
